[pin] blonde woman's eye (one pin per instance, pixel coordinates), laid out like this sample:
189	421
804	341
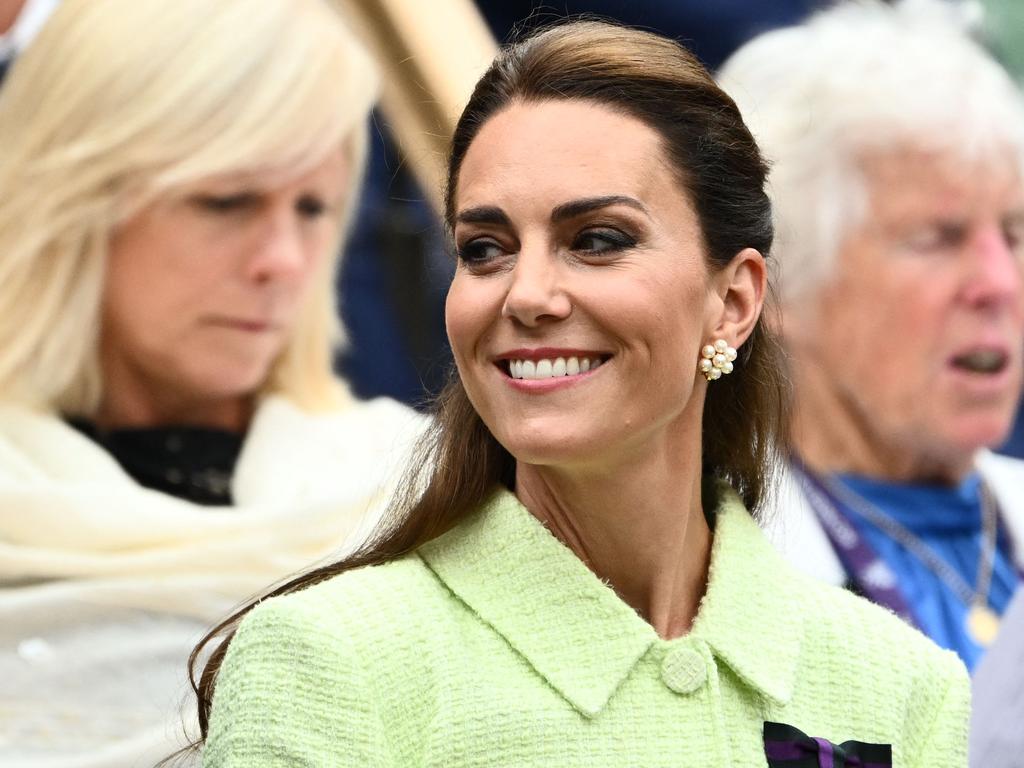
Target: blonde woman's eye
225	203
311	207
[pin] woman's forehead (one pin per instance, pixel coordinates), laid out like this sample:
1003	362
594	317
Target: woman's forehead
562	149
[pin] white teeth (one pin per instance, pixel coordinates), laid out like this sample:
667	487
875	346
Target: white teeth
548	369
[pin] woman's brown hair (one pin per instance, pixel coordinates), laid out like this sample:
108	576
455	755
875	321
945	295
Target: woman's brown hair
718	165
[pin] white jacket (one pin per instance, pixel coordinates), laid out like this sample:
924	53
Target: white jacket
105	586
792	526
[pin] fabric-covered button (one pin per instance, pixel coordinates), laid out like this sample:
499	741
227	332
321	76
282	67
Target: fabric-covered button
683	670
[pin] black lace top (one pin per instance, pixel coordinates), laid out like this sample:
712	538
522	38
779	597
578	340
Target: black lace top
192	463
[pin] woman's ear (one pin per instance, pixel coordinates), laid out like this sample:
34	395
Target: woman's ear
741	286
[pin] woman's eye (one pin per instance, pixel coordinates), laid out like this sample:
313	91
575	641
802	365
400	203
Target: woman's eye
225	203
479	251
602	241
310	207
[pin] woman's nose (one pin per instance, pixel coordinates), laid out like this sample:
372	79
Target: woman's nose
536	292
280	250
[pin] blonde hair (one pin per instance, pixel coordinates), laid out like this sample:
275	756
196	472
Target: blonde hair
119	102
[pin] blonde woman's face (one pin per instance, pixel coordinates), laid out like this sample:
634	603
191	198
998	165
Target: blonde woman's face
203	289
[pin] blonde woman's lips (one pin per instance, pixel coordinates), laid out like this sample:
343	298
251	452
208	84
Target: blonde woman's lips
245	324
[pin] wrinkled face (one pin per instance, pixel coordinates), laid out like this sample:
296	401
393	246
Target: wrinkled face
581	298
204	288
922	330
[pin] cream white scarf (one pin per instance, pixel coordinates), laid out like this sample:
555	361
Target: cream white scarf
105	586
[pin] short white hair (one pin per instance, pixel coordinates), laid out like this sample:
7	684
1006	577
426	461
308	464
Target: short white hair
857	78
119	102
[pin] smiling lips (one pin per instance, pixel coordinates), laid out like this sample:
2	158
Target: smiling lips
553	367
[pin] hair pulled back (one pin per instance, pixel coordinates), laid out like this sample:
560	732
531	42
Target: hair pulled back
718	166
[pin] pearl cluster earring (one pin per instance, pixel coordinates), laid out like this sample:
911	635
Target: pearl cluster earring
716	360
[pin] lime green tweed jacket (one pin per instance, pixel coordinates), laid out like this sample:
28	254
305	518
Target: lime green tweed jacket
494	645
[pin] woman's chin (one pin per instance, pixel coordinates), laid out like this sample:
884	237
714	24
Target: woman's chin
225	383
554	450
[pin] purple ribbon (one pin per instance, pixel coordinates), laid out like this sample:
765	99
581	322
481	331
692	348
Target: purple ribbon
859	560
789	747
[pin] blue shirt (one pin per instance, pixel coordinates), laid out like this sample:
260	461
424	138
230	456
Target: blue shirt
948	521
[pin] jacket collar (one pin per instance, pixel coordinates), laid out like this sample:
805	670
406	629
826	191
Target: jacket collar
581	637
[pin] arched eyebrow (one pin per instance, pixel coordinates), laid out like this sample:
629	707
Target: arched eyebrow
575	208
489	214
485	214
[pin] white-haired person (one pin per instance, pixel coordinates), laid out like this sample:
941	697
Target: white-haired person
175	181
896	146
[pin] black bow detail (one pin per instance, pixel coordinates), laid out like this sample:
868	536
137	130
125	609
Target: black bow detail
789	747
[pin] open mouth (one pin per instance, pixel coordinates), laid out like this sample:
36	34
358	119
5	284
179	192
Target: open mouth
552	368
982	361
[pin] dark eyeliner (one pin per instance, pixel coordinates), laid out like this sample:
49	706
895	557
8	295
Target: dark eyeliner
614	239
474	251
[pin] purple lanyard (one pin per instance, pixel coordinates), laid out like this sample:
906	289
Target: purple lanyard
872	577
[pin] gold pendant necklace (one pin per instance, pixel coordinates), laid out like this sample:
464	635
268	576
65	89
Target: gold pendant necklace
982	621
982	624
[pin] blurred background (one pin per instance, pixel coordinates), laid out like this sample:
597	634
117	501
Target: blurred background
398	262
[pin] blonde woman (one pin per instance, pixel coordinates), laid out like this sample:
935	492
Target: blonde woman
174	183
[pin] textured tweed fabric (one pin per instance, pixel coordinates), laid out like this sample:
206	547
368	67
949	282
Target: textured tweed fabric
495	645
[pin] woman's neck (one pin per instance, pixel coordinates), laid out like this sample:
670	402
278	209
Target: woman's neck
641	528
135	397
129	405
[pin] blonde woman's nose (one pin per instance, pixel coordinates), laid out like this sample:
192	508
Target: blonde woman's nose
280	249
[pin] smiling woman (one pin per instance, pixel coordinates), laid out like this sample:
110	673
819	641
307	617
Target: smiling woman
175	182
618	280
574	577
